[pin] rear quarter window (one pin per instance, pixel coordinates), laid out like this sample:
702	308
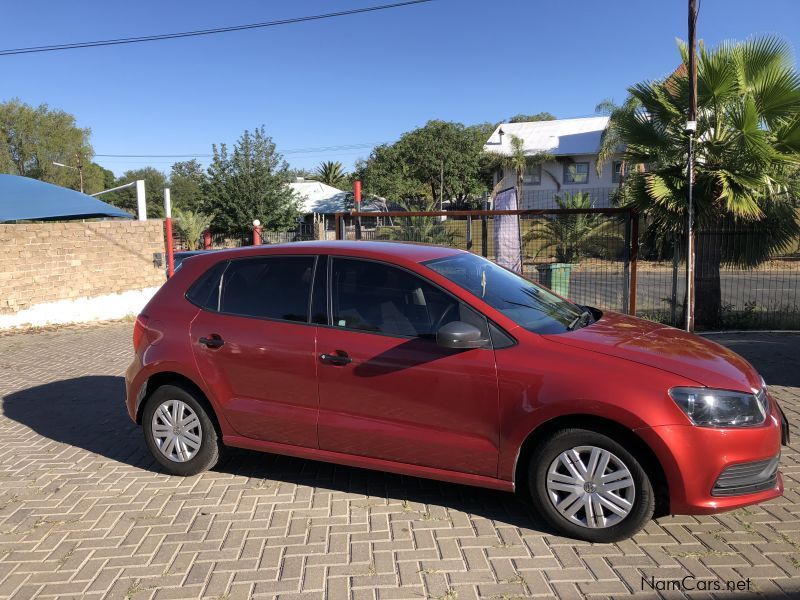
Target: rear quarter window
204	292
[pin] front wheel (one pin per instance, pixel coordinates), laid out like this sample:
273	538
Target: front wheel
588	486
179	432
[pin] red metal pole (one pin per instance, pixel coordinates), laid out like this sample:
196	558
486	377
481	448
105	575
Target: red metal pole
168	225
256	235
357	203
207	239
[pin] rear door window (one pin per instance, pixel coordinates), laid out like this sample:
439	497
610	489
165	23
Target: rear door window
273	287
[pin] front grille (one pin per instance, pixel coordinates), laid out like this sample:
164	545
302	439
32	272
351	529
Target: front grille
747	478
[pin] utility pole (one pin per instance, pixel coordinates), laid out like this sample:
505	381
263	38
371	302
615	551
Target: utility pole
80	170
441	187
691	129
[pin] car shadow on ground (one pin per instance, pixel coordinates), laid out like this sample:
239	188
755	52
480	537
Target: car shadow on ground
89	412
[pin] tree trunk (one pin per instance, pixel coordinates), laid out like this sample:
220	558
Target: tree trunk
708	293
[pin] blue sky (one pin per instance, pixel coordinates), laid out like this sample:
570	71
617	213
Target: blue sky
360	79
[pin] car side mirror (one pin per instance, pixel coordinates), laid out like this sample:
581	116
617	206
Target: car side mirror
460	336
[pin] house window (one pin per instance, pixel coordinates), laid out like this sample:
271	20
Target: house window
499	174
617	172
532	175
577	172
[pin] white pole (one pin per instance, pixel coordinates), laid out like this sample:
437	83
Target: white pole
140	200
167	204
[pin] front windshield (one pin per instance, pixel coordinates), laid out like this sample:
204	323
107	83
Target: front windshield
527	304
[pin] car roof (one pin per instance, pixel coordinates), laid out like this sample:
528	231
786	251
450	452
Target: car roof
389	251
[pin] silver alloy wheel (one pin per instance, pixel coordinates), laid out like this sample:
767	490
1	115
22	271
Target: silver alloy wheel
176	430
590	487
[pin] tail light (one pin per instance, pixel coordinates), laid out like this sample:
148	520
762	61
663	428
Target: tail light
139	330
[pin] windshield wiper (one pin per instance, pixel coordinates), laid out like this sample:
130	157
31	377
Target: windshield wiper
522	304
579	320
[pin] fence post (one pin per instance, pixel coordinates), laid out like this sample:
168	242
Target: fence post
469	233
168	225
676	259
634	261
626	276
337	226
357	204
485	229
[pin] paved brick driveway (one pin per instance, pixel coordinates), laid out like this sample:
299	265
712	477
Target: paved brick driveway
84	513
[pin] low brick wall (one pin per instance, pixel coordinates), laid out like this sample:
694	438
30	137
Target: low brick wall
45	263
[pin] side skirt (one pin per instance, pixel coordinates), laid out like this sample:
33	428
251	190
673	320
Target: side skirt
376	464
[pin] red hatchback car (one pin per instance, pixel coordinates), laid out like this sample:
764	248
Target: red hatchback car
434	362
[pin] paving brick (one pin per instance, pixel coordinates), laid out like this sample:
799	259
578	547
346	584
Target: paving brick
85	513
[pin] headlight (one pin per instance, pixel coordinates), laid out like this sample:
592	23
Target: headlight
721	408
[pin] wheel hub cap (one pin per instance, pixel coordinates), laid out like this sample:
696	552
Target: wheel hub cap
176	430
591	487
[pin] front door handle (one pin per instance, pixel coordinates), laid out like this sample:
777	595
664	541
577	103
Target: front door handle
340	358
212	342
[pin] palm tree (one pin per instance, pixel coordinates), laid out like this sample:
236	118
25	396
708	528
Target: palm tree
574	236
747	154
331	173
425	230
192	225
519	160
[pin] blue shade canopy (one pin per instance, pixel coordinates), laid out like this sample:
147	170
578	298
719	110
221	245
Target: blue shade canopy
22	198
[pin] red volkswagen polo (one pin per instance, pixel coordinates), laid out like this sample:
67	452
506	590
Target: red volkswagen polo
437	363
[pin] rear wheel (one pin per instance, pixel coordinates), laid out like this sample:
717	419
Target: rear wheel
179	431
589	486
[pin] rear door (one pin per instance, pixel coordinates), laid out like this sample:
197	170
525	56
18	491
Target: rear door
257	350
387	390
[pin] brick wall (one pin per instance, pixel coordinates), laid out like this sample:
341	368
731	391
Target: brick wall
47	262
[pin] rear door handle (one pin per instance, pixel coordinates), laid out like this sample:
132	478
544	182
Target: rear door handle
339	359
212	342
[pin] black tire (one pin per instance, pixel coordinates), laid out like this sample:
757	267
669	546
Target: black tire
210	449
545	455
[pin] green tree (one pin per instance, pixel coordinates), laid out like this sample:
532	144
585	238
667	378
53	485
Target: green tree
440	160
192	225
424	230
250	183
331	173
154	183
747	152
519	160
187	181
523	118
33	138
573	236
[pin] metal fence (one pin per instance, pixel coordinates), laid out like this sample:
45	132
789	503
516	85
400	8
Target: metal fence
611	259
586	254
742	281
545	199
220	239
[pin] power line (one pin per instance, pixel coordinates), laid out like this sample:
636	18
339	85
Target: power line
200	32
363	146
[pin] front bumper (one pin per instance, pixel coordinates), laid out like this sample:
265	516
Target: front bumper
694	458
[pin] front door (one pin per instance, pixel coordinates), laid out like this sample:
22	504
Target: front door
258	351
387	390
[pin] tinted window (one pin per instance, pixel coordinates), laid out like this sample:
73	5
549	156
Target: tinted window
371	296
529	305
205	291
276	287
